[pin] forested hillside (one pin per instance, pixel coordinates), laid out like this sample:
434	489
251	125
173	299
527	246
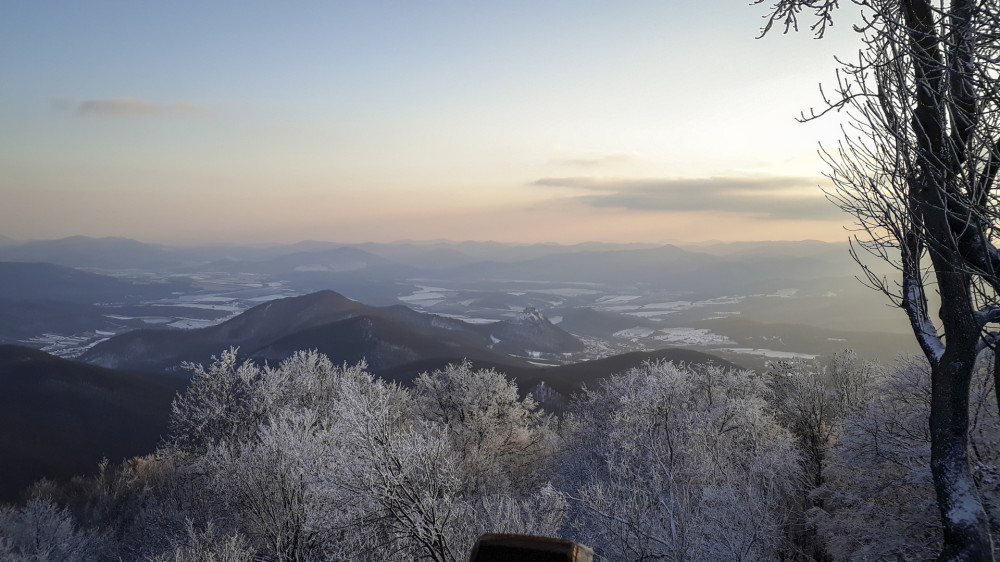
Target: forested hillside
309	460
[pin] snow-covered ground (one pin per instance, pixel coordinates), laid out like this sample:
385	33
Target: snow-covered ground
567	292
467	319
769	353
66	346
692	337
613	299
637	332
425	296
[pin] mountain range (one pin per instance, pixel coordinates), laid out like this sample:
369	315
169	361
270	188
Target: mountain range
515	308
345	330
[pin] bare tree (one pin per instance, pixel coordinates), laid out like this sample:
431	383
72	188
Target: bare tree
916	169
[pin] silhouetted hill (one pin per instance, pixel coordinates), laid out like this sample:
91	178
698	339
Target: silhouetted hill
568	379
164	349
706	271
59	418
565	379
26	319
83	251
382	342
344	329
343	260
424	256
608	266
46	281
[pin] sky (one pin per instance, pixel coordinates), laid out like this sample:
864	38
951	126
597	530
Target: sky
662	121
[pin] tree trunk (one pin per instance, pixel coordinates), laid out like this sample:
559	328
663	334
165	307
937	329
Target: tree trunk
966	527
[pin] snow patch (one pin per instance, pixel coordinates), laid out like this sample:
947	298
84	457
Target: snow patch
928	332
467	319
567	292
770	353
425	296
191	323
671	305
650	313
267	298
966	509
627	308
422	297
785	293
637	332
616	299
204	306
692	336
205	298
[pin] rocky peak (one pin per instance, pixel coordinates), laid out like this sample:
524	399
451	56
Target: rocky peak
530	315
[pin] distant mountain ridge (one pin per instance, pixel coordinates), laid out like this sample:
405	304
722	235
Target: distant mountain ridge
344	329
572	377
83	251
51	282
482	280
39	298
339	260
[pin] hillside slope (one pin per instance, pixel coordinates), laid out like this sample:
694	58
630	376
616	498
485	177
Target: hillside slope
59	418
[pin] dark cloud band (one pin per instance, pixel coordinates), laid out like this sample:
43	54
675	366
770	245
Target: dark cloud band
132	107
766	197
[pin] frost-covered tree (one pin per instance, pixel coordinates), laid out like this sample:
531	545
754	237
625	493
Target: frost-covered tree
141	505
415	464
307	460
812	399
917	171
41	531
267	485
503	441
271	454
222	403
674	463
207	545
877	500
228	399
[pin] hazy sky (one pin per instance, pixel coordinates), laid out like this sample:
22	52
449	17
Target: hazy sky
560	121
